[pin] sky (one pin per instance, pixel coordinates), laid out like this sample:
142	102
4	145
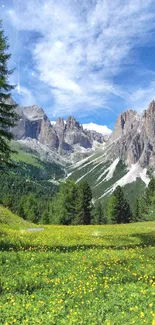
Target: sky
91	59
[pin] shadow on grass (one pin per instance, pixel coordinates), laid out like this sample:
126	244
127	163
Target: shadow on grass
144	240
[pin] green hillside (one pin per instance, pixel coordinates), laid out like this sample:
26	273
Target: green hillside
7	218
28	188
30	164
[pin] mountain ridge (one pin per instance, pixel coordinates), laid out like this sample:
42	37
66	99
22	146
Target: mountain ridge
61	137
122	159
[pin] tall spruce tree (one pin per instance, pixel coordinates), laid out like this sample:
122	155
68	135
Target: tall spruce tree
147	202
64	206
8	116
136	211
98	215
119	207
83	206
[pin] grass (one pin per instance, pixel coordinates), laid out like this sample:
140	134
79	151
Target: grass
24	154
9	219
26	158
89	275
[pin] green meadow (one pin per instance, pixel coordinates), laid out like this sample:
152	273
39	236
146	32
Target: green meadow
90	275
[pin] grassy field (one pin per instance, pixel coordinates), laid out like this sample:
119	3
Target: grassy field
90	275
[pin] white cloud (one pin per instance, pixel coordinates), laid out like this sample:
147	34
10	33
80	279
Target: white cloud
103	129
83	46
53	122
141	98
26	97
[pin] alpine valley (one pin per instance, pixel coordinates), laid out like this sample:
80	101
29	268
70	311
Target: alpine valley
67	150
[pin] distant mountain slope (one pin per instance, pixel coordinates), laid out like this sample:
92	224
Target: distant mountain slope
63	138
104	175
32	164
127	158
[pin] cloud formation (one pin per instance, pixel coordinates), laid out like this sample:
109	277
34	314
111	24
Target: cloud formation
79	48
103	129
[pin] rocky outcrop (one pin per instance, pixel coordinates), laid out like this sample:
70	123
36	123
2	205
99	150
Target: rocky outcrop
126	124
74	134
33	123
133	138
62	136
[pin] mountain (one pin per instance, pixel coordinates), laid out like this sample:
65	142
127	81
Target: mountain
128	157
66	138
133	138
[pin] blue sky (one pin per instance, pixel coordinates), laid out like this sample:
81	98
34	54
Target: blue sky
89	58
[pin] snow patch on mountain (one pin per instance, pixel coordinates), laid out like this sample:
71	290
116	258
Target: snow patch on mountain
112	169
79	179
136	171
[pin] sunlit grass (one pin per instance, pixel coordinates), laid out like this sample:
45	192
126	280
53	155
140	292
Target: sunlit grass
86	275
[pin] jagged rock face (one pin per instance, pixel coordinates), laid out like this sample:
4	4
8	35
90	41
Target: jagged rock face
71	124
123	141
148	134
33	123
148	119
48	136
63	136
126	123
74	134
133	138
93	135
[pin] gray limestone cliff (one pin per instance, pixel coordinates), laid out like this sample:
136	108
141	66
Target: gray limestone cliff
63	136
133	138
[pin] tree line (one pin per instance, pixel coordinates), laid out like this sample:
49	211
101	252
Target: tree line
71	203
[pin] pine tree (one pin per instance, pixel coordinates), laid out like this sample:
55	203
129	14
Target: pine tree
98	215
119	209
64	205
136	211
147	202
83	208
8	116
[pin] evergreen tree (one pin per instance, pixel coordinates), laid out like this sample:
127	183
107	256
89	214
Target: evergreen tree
147	202
8	116
65	203
44	217
151	187
98	214
119	209
110	209
83	207
136	211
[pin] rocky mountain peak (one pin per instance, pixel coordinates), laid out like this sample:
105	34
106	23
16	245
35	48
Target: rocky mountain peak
133	138
151	107
150	111
60	122
71	123
64	137
125	123
33	112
